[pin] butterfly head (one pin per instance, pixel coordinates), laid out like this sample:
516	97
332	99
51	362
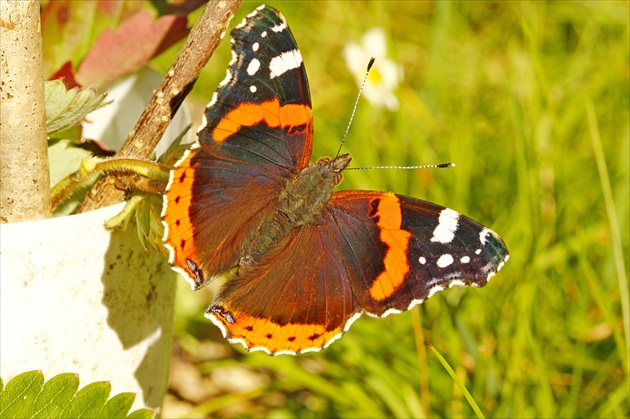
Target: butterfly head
333	167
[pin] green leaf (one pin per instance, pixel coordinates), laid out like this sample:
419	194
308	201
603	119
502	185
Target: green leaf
141	414
16	400
64	159
117	406
27	396
55	395
89	401
66	108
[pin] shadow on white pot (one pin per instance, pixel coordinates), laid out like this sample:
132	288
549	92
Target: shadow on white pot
78	298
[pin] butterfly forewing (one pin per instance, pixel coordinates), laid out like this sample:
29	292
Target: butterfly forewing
257	133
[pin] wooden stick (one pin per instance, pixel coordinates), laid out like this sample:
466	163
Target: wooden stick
25	185
167	98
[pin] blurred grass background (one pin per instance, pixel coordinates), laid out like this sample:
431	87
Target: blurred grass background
531	100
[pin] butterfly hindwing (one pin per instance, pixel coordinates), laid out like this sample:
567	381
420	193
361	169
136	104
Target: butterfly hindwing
370	252
296	300
421	247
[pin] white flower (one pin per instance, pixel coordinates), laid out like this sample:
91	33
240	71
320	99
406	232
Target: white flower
384	76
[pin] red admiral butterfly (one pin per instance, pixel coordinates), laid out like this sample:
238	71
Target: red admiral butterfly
303	261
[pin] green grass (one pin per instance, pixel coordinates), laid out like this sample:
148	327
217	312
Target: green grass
531	100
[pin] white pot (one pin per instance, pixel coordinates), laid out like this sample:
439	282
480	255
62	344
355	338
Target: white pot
78	298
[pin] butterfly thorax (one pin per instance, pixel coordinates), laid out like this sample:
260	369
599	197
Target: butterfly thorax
301	202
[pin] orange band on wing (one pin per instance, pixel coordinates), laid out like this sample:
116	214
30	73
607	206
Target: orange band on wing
270	112
396	262
180	230
263	334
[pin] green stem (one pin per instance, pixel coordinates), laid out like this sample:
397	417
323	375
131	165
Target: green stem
92	170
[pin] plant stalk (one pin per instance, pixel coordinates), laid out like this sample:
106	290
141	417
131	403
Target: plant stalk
24	175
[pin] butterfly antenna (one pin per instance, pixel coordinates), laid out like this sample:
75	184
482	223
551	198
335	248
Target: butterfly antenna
356	102
424	166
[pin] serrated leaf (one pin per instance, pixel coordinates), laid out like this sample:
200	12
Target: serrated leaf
27	396
89	401
117	406
55	395
66	108
141	414
16	400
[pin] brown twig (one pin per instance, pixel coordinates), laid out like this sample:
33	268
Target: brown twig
167	98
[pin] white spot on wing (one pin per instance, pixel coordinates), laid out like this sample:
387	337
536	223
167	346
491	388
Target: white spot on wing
204	120
444	260
482	235
217	323
255	46
242	24
390	311
253	67
414	303
263	34
465	259
435	289
280	27
456	282
227	79
285	62
253	89
447	225
422	260
350	321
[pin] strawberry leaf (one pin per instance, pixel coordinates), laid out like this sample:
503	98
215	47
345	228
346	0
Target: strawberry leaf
117	406
55	395
16	400
66	108
89	401
27	396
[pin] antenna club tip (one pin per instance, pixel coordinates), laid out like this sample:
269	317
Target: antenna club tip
371	63
445	165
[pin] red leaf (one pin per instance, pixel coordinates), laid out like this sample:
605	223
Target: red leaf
66	74
70	27
138	40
